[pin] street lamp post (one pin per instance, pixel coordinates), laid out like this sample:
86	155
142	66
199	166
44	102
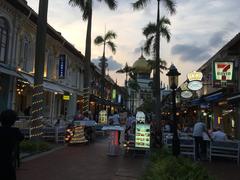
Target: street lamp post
173	83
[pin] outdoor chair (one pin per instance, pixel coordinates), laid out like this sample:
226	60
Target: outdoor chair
227	149
187	146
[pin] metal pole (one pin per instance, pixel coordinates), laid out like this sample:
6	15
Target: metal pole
175	141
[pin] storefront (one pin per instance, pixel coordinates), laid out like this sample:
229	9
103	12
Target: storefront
7	83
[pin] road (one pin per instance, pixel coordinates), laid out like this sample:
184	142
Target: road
85	162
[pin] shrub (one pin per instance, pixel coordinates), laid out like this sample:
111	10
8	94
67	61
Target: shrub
164	166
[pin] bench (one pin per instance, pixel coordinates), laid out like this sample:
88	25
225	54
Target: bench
228	149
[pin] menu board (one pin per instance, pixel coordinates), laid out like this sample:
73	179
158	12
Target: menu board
102	117
142	136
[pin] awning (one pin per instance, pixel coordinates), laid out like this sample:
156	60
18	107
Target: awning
234	98
196	102
52	87
67	89
213	97
10	72
28	78
47	85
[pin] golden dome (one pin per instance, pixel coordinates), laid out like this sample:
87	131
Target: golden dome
141	65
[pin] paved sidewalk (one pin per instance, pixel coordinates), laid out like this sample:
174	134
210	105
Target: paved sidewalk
87	162
223	169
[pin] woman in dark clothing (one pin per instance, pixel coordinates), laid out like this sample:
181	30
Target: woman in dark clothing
9	141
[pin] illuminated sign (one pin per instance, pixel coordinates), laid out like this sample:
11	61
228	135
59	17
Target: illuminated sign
223	74
186	94
102	118
66	97
114	94
119	98
61	66
140	117
194	79
184	86
195	76
142	136
223	71
195	85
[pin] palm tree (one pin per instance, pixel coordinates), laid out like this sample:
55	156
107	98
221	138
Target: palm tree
86	8
105	40
150	33
127	69
37	100
170	5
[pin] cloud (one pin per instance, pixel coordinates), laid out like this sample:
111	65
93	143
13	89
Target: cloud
113	65
190	52
217	39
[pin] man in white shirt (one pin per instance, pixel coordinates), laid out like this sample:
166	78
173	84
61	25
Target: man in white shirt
219	135
198	130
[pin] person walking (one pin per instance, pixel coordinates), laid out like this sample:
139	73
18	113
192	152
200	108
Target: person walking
198	130
10	138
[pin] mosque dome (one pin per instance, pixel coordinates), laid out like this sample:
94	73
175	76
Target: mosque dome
141	65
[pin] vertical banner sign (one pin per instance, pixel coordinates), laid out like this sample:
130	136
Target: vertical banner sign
114	93
223	72
62	65
119	98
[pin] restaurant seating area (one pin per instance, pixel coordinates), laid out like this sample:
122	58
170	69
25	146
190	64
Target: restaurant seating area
221	149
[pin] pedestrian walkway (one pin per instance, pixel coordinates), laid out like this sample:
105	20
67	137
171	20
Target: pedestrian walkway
87	162
223	169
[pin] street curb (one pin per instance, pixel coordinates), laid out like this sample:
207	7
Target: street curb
37	155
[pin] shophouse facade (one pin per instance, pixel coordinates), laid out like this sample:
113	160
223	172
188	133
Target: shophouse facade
217	102
63	70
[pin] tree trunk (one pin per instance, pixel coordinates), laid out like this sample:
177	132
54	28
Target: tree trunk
103	71
38	96
87	71
157	75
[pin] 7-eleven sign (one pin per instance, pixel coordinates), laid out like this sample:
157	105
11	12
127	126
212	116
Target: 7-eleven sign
223	71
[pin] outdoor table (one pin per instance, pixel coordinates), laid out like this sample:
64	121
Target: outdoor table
113	144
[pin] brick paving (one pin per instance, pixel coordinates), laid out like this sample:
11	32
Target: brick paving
223	169
82	162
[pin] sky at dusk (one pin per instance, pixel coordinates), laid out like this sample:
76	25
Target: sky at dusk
198	30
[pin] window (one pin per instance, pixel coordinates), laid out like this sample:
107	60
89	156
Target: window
4	35
50	66
28	64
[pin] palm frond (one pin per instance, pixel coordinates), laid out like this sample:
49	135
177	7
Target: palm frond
112	46
99	40
170	5
164	20
149	29
140	4
87	10
147	45
112	4
165	32
83	5
110	35
120	71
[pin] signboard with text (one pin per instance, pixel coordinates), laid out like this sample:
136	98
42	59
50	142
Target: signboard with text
62	66
223	73
142	136
102	119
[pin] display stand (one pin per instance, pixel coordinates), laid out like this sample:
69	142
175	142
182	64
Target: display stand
113	148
